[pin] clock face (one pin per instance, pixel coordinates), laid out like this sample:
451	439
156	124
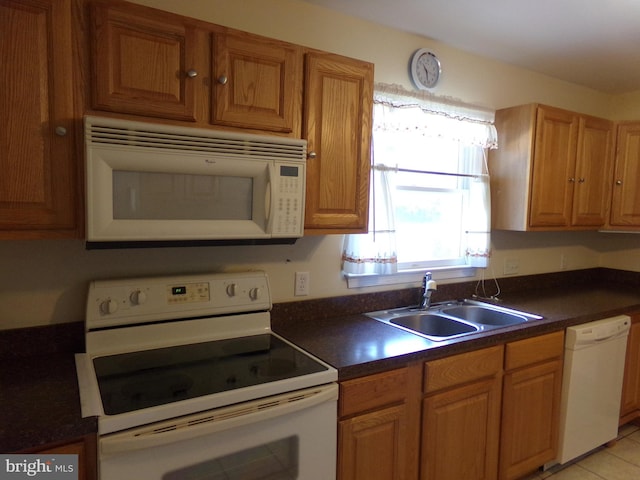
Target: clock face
425	69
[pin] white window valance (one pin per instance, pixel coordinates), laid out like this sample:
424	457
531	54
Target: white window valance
395	108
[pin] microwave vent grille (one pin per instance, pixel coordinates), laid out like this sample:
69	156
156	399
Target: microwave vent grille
164	137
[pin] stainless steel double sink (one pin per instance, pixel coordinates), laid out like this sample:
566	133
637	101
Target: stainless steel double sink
452	319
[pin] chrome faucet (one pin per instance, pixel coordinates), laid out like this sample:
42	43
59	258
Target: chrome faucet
428	287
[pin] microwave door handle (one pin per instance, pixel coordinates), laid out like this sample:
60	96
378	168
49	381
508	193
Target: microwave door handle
267	203
218	420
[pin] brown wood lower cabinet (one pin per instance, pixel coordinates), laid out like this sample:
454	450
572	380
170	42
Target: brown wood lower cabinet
630	405
378	429
486	414
84	447
531	395
461	416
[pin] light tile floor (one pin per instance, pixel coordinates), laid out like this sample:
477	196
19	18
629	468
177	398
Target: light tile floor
618	462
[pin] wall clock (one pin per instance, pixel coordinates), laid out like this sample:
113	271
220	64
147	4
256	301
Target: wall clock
425	69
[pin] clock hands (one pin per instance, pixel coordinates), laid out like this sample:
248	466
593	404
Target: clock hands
425	69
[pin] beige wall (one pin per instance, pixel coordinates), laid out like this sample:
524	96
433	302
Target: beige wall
44	282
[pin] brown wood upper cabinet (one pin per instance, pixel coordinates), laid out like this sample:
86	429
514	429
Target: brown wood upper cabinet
257	83
625	201
157	64
38	184
551	171
338	102
145	62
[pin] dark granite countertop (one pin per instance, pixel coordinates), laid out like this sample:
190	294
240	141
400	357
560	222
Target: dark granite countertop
40	403
357	345
39	397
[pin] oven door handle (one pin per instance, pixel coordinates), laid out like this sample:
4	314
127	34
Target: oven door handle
212	421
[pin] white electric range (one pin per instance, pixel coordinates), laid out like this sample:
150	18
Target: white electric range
188	381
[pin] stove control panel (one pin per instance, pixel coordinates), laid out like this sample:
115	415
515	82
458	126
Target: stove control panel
144	300
188	293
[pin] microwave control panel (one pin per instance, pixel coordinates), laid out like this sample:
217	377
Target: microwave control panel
289	202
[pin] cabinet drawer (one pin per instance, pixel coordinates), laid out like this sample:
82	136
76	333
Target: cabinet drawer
463	368
534	350
373	391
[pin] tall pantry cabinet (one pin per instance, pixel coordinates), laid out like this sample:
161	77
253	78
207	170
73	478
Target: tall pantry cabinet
39	182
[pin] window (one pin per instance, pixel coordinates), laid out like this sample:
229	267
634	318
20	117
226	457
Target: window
429	207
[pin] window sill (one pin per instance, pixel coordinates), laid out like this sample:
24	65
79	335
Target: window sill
408	276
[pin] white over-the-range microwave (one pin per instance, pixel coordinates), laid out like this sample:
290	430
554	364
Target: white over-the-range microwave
154	185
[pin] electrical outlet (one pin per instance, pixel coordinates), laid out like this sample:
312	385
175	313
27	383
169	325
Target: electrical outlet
511	266
563	261
302	284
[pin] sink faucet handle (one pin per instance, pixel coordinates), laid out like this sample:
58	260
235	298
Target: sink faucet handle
428	286
428	283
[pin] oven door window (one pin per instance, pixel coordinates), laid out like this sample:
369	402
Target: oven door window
277	460
174	196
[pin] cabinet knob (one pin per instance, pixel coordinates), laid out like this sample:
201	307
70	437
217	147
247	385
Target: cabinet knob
61	131
572	180
312	155
618	182
222	79
581	180
192	74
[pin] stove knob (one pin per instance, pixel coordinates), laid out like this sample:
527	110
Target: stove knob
231	289
255	293
109	306
138	297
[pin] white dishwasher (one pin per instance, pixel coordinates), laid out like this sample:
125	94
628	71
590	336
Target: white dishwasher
592	385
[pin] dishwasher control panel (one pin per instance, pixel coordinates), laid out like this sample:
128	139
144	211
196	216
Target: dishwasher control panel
597	331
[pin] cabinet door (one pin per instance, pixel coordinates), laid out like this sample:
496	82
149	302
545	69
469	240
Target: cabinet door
85	449
38	189
460	429
593	172
530	416
630	405
372	446
378	431
144	62
553	173
258	83
337	125
625	201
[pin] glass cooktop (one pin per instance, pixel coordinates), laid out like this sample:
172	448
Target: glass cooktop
137	380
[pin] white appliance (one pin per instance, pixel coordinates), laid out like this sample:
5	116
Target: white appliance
592	385
162	183
188	381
